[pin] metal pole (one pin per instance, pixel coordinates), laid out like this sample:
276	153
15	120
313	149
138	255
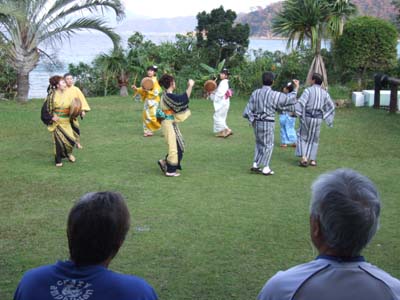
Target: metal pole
377	93
393	98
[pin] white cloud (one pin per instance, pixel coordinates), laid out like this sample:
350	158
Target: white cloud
174	8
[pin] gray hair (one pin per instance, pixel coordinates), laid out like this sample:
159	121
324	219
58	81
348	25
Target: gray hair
347	206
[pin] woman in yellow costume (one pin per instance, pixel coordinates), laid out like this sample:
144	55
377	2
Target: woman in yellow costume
173	110
55	113
151	99
74	92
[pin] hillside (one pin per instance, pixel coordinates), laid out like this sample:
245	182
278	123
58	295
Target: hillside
260	19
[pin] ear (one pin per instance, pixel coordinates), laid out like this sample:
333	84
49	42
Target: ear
315	231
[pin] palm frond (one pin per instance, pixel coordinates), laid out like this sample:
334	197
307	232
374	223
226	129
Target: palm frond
66	30
63	8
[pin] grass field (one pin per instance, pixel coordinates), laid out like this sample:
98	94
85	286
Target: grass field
216	232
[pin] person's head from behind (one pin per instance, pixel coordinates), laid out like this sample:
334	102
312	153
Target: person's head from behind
317	78
97	227
344	213
288	88
167	81
268	78
69	79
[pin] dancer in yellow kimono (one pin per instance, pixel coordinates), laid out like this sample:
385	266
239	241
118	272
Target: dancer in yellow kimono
72	93
151	99
173	110
55	113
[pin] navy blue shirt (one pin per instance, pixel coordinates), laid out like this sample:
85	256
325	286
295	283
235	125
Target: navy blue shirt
66	281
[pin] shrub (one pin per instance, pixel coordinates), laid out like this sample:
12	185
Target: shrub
367	45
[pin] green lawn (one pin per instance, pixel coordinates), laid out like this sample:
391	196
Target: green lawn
216	232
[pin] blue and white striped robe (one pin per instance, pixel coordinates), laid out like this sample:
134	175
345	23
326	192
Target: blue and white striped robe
260	111
314	106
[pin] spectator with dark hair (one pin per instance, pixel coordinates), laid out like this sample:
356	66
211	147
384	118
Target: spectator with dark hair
314	106
344	217
260	111
174	108
97	227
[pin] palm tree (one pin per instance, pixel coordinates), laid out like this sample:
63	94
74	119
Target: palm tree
26	24
312	20
114	66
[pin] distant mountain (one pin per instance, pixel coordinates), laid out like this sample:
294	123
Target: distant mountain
158	26
260	20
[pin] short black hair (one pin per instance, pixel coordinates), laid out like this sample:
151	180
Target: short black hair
318	78
153	68
97	226
166	81
268	78
225	71
290	87
67	74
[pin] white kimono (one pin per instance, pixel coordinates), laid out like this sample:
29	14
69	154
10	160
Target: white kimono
221	106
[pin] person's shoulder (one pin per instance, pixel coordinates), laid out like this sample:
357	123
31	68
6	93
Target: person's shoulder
382	275
284	284
34	276
39	271
257	91
131	285
178	97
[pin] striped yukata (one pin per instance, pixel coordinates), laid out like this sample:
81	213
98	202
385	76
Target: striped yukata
260	111
314	106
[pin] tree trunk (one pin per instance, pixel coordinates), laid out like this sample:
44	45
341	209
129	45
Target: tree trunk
22	87
123	91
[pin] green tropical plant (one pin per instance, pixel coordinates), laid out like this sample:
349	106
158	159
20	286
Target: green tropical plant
114	67
367	45
213	72
27	24
312	20
219	36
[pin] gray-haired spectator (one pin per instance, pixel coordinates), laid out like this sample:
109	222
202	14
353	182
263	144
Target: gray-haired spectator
97	226
344	216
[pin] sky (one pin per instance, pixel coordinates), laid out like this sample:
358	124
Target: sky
175	8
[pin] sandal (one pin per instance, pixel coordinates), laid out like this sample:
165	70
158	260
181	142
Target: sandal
220	134
256	170
174	174
162	165
269	173
303	163
227	133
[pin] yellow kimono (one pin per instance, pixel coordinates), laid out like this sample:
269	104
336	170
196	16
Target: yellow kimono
72	93
151	101
63	136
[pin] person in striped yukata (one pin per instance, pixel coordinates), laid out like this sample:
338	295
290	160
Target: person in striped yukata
314	106
260	111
